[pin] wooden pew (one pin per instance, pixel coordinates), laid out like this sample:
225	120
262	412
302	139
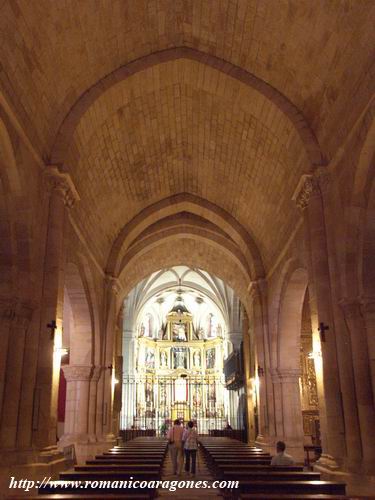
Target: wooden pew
283	496
116	460
241	466
292	487
270	475
118	467
251	467
136	461
93	496
111	475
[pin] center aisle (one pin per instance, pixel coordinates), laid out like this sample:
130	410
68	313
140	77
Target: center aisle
203	474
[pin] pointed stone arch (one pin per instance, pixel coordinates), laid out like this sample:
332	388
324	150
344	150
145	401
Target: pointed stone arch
188	204
82	337
290	319
296	117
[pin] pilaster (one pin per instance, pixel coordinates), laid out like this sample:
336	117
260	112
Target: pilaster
352	310
309	198
15	319
62	195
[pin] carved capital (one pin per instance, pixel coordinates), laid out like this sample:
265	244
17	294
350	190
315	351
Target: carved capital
256	288
113	284
62	184
77	372
311	185
307	187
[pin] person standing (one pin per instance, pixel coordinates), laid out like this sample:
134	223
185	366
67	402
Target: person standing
190	438
175	446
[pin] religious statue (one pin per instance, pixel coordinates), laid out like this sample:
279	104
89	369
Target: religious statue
179	332
179	358
163	359
197	359
197	397
163	395
150	359
210	358
212	392
148	391
142	330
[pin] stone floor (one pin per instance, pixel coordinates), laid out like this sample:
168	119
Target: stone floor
202	474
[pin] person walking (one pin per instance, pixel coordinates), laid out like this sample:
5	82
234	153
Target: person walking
175	446
190	439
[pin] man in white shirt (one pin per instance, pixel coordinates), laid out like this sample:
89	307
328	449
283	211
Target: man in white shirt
281	458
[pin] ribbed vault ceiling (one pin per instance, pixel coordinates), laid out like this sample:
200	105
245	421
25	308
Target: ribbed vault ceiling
315	53
183	127
228	102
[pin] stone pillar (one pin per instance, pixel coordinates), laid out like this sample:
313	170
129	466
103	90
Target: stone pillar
93	396
368	312
62	195
6	314
76	428
117	395
128	395
308	198
112	288
249	385
290	405
362	379
265	401
17	319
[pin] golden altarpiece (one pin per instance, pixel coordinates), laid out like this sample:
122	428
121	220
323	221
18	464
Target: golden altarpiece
178	374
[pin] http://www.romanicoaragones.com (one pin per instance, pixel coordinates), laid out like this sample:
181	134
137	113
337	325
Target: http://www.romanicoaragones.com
170	485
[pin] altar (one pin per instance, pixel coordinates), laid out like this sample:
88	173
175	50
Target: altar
178	374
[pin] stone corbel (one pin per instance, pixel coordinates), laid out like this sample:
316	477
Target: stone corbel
309	186
61	183
256	288
113	284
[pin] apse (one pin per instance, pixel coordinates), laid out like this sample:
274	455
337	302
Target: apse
180	326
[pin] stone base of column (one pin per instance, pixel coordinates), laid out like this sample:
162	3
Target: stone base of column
296	450
31	464
356	484
327	462
294	447
69	439
266	443
86	446
29	456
